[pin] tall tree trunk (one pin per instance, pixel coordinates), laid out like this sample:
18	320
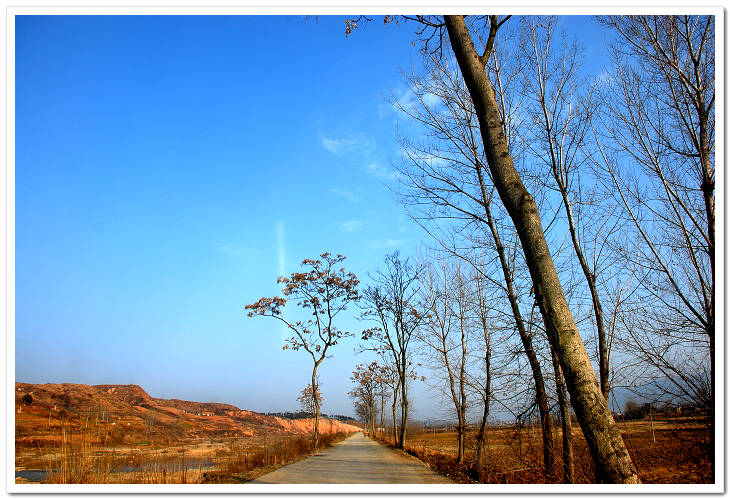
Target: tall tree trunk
458	398
711	334
603	437
482	435
541	395
395	421
482	442
462	389
568	463
460	436
559	172
482	447
315	392
708	193
371	421
403	402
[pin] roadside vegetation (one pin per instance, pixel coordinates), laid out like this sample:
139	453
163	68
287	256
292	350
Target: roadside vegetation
669	450
78	457
241	466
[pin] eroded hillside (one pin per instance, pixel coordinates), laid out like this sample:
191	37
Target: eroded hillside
127	414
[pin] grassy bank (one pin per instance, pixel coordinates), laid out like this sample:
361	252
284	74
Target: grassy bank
77	455
244	466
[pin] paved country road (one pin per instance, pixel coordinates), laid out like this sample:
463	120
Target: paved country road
355	460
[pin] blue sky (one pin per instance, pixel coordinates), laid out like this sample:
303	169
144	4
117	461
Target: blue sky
169	168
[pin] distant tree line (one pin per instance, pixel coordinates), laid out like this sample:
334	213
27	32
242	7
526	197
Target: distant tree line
308	415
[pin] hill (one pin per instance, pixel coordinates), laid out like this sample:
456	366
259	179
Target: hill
126	414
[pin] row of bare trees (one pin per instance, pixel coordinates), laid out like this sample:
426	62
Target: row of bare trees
391	304
573	224
465	342
514	132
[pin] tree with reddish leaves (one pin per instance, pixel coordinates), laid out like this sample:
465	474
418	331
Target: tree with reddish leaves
324	289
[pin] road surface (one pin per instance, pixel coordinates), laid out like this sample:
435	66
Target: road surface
357	459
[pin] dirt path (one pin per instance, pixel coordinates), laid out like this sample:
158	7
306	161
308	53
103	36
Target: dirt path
355	460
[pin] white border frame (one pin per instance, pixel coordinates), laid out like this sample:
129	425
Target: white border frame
417	7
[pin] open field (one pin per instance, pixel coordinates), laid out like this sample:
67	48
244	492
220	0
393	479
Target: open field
677	452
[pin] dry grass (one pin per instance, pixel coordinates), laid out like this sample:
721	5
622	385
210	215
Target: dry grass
676	453
81	459
242	465
78	455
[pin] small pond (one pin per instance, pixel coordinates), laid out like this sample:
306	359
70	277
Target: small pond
169	465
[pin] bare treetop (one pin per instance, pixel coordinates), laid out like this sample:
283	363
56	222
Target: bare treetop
324	289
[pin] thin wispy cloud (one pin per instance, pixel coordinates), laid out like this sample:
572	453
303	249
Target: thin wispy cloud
386	243
380	171
434	161
231	249
384	109
400	96
348	143
344	193
407	100
405	97
351	225
605	78
431	100
364	146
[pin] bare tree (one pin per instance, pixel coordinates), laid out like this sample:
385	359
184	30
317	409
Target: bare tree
392	302
481	308
559	116
383	378
390	381
364	393
661	126
565	423
324	290
565	419
308	396
446	332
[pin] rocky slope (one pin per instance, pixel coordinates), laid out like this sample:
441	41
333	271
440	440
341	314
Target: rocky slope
127	414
